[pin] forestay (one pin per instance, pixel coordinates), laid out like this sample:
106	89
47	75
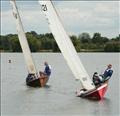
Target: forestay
65	44
23	39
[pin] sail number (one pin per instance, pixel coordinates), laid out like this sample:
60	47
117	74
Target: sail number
44	7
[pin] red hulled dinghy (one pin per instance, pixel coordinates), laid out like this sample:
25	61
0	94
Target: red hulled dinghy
96	94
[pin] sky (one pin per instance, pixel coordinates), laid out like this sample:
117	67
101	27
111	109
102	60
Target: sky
77	17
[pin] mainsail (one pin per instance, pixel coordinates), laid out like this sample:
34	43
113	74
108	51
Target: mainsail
65	44
23	40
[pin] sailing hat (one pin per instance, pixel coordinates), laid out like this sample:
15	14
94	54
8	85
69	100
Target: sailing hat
46	63
109	65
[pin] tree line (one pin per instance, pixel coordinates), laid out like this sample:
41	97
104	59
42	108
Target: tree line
46	43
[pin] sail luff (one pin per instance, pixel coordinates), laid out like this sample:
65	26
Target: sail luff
23	40
66	45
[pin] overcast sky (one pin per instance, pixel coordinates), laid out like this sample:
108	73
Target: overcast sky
77	17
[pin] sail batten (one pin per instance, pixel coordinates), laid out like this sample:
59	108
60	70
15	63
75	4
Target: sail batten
65	44
23	40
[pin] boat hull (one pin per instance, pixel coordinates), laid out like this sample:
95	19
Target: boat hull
96	94
33	81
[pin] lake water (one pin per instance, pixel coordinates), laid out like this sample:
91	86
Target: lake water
58	99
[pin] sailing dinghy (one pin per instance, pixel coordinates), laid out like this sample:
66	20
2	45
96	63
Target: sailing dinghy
69	52
33	79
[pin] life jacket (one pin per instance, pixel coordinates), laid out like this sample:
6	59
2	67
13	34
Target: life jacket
47	70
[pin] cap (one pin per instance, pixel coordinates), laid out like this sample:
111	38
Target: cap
109	65
45	62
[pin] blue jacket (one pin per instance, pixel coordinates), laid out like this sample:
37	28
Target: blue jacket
47	70
108	73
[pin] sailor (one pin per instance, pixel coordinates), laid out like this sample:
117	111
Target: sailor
47	70
107	73
44	76
97	80
30	77
9	61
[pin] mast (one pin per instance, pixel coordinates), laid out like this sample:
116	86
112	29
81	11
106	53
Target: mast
65	44
23	40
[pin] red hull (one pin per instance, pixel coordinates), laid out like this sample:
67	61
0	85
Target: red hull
97	93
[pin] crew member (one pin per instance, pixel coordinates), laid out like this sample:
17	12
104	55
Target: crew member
47	70
99	79
46	74
108	73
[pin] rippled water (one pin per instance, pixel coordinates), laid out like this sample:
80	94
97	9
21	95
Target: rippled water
58	98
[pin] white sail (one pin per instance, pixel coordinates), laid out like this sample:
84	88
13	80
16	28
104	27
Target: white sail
65	44
23	39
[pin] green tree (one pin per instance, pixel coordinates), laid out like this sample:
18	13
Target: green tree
46	42
104	40
76	42
112	47
55	47
96	38
4	43
116	38
85	38
34	43
15	44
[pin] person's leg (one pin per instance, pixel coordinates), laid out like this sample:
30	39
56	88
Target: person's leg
106	79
